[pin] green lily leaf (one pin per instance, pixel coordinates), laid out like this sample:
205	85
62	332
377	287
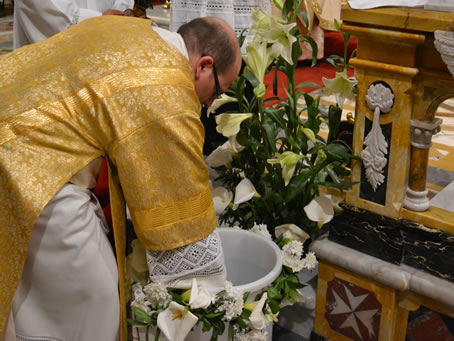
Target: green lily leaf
141	315
334	118
297	186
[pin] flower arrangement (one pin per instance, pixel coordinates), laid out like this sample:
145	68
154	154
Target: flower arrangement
174	312
276	160
273	166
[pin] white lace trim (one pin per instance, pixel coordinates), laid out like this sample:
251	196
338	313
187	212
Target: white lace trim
200	259
237	13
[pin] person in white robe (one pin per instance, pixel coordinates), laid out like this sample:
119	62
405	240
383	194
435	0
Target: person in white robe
69	244
35	20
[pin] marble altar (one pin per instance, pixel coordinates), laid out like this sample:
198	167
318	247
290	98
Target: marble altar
397	250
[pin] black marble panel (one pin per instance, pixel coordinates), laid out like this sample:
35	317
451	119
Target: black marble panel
367	232
366	191
429	250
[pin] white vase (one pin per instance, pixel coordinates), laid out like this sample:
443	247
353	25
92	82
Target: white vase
252	263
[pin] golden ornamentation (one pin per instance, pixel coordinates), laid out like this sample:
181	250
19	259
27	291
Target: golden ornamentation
111	87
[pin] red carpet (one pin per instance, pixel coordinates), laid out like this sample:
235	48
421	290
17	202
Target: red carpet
334	44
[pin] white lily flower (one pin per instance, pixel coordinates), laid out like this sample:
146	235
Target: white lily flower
219	102
273	30
257	59
288	161
341	86
229	124
236	147
136	262
174	323
200	297
320	209
221	199
309	134
257	319
221	156
262	22
244	191
291	231
282	46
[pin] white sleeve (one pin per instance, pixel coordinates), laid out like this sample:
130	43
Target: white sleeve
121	5
37	20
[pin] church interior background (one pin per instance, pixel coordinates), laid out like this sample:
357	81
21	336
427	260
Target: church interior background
386	271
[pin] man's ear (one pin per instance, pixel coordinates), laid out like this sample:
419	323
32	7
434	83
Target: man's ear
201	65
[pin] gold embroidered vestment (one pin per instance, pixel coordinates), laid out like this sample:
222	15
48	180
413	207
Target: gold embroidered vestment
107	86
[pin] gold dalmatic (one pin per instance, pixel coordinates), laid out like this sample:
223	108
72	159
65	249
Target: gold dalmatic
107	86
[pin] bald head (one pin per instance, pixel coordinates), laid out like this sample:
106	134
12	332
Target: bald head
214	53
211	36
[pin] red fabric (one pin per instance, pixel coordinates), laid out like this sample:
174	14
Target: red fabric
304	73
334	44
101	191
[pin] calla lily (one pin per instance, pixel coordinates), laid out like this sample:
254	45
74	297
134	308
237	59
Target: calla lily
257	319
335	201
219	102
229	124
320	209
288	161
221	199
341	86
291	231
175	322
200	297
244	191
257	59
221	156
136	262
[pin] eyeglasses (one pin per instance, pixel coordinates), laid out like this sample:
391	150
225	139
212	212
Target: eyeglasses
216	84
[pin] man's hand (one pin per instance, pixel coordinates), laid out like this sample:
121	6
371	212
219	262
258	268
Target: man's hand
112	12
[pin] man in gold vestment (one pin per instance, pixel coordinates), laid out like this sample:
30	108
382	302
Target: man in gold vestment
108	86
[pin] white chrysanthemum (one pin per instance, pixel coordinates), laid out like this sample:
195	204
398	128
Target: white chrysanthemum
157	295
310	261
250	335
294	263
140	300
294	248
291	254
232	302
262	230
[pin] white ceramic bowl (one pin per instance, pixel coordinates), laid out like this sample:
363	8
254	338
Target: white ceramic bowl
252	263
